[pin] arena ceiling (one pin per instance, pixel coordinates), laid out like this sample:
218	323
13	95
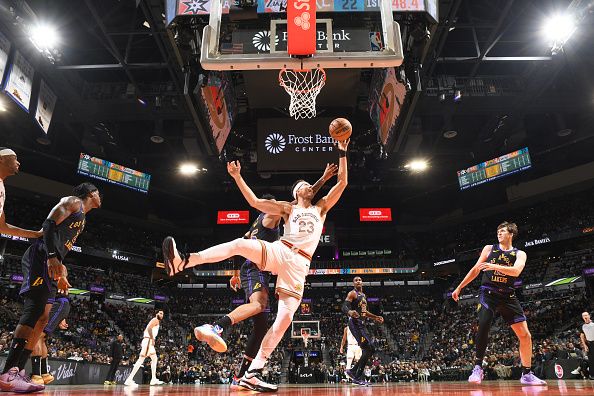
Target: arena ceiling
114	52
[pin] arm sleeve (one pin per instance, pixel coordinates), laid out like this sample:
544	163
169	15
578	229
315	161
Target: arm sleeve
49	238
345	307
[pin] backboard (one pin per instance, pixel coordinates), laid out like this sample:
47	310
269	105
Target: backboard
312	325
262	45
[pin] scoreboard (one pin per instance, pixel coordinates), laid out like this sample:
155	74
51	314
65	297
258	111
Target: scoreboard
507	164
113	173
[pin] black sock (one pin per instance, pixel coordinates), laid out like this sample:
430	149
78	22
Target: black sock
14	354
245	365
44	365
224	322
526	370
24	357
478	363
36	365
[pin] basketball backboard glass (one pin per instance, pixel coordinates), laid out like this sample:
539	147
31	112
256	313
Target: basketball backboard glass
261	44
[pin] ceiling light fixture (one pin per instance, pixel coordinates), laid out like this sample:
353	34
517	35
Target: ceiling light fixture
419	165
44	37
557	29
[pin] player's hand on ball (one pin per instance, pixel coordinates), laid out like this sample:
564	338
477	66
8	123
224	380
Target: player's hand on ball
344	144
63	285
234	169
331	170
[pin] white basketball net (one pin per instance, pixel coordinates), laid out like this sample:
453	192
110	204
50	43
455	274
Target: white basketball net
303	86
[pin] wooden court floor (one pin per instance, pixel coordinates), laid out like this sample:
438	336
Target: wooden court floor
487	388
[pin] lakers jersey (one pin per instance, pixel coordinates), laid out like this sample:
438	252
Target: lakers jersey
304	227
496	279
258	231
68	231
359	304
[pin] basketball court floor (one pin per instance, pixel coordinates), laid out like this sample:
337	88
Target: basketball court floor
487	388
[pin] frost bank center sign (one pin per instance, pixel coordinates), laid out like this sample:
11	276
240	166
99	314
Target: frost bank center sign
286	145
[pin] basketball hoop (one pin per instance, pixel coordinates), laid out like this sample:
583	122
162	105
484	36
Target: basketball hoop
303	86
305	336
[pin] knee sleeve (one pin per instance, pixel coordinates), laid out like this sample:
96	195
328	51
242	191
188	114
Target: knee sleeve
32	310
287	306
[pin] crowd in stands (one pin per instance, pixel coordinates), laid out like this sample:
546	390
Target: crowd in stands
422	335
557	215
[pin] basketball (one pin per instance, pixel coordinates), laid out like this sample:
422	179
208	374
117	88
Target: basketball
340	129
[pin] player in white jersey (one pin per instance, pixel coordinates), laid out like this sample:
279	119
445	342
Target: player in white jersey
289	257
353	348
9	166
148	349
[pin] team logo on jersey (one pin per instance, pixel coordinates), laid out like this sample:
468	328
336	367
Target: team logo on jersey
298	287
258	286
38	281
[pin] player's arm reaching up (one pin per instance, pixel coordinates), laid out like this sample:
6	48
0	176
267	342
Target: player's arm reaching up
473	273
331	170
326	203
269	206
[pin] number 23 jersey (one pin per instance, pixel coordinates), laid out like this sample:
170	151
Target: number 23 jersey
304	227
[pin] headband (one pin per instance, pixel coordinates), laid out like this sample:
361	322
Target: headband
6	151
297	187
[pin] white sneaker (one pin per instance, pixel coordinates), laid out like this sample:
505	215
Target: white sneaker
130	382
576	371
252	381
212	336
155	381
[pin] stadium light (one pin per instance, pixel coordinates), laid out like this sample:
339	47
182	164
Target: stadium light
189	169
418	165
44	37
557	29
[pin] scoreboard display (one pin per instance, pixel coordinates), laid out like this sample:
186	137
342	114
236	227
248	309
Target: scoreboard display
113	173
507	164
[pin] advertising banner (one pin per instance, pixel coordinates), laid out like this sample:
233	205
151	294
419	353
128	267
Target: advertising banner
233	217
375	214
286	144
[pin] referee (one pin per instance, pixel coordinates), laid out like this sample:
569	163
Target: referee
587	339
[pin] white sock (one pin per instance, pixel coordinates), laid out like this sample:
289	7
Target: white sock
137	366
154	367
